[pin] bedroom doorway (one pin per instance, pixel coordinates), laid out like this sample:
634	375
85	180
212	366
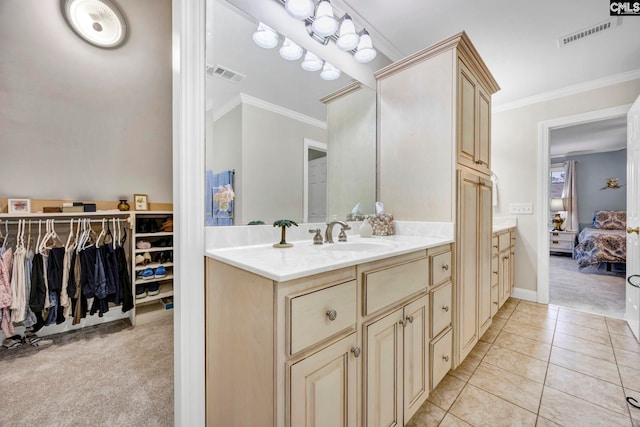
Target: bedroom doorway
556	264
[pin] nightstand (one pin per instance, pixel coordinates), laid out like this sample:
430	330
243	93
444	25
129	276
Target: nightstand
562	241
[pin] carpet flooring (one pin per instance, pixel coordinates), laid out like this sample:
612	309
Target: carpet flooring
595	292
107	375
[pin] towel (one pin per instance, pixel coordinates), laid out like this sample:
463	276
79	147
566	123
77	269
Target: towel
494	179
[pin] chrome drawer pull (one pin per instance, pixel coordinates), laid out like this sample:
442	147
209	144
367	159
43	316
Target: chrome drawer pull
445	358
356	351
445	308
332	315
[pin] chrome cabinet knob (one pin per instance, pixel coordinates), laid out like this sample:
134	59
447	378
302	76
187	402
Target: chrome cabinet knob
332	315
356	351
445	308
445	358
445	267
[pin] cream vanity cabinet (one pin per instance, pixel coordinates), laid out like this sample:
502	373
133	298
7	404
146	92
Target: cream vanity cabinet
502	267
348	347
434	126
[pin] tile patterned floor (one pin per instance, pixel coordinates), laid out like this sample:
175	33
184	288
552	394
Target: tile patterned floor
541	365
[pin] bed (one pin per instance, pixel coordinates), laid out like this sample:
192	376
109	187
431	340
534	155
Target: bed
605	241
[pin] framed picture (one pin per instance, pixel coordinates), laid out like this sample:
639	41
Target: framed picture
19	206
141	202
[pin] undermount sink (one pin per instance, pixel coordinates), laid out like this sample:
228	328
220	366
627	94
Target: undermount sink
370	246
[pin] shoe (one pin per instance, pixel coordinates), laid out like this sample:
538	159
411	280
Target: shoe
147	258
140	259
141	291
160	272
143	244
167	225
154	289
147	274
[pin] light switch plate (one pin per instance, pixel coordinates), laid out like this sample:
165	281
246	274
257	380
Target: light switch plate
521	208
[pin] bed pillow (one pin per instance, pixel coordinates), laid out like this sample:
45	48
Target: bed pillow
610	220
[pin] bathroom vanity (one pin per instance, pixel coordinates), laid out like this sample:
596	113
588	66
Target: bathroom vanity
344	334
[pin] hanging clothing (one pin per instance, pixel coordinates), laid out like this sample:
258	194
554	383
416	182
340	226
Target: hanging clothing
65	301
29	318
125	280
6	266
18	297
38	295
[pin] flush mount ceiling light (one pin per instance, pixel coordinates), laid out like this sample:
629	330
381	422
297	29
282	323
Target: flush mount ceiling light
265	36
311	62
98	22
324	24
290	51
348	38
299	9
329	72
365	51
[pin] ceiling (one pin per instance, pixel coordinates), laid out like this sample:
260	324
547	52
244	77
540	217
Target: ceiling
594	137
517	40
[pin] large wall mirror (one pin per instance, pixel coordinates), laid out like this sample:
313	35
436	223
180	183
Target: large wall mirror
281	141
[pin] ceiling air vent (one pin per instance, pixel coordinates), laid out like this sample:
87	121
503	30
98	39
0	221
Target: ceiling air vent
224	73
594	29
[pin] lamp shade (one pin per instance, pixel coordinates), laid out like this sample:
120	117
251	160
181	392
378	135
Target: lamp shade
299	9
348	38
265	36
290	50
311	62
557	205
324	23
329	72
365	51
98	22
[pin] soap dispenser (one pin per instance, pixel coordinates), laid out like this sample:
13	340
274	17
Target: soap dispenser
365	229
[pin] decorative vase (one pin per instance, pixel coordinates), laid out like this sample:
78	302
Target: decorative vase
123	205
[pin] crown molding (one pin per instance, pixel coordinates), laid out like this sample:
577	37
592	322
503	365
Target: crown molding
256	102
568	90
226	107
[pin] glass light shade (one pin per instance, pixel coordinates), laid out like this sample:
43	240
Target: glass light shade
324	24
98	22
365	51
265	36
290	51
348	39
299	9
311	62
329	72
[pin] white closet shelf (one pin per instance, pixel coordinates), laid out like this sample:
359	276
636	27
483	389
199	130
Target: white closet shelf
158	279
157	234
154	265
165	291
156	249
37	215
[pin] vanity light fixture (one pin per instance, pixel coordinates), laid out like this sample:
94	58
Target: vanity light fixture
365	51
329	72
311	62
290	50
348	38
324	24
98	22
265	36
299	9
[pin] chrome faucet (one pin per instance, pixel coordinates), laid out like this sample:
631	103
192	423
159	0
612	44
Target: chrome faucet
328	233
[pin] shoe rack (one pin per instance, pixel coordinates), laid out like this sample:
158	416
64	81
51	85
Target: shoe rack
152	249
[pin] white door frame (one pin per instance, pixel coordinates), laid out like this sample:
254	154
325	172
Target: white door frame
544	131
316	145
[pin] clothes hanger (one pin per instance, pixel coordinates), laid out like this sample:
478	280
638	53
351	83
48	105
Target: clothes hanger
70	240
57	242
101	235
39	232
29	238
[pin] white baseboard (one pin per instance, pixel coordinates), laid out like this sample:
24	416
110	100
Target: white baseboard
525	294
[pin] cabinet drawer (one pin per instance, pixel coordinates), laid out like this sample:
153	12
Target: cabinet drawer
389	285
562	237
504	241
441	309
441	352
309	315
494	300
494	271
560	244
441	268
494	244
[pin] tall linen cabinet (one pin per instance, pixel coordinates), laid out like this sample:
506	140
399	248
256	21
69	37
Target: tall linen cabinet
434	149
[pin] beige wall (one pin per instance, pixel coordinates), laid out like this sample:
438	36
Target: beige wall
79	122
515	161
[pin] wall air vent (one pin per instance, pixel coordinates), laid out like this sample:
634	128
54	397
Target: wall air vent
224	73
594	29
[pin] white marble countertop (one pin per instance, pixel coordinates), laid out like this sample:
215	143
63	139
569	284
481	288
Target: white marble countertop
305	258
504	223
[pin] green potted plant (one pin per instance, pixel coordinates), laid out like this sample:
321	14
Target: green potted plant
283	224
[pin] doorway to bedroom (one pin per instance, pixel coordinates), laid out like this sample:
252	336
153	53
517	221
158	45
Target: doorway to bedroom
587	217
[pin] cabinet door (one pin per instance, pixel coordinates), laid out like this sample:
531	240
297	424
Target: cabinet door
416	355
466	116
467	246
512	262
323	387
504	276
484	256
483	142
383	369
